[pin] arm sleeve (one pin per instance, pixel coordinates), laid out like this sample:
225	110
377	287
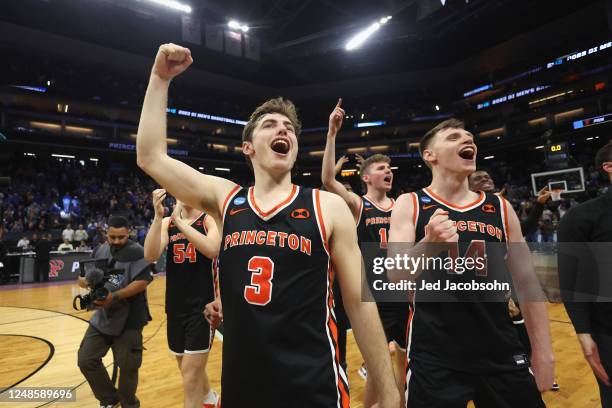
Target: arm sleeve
569	255
530	225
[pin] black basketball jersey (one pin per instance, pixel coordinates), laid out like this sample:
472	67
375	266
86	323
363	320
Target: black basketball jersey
373	223
280	332
189	274
468	331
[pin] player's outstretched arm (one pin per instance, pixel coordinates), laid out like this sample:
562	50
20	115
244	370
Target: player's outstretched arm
185	183
346	260
328	170
532	303
157	236
208	244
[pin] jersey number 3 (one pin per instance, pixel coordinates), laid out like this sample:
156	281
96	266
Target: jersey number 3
259	292
180	253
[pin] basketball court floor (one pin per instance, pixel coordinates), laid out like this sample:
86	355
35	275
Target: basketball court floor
40	335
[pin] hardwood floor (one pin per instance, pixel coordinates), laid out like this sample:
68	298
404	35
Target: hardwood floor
46	314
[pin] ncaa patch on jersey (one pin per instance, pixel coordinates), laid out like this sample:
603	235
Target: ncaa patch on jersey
425	199
239	200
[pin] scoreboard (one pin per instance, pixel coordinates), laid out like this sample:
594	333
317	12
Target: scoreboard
557	154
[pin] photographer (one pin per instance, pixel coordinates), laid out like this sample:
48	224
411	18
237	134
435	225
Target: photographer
120	317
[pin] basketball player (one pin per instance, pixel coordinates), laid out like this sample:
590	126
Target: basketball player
281	248
371	213
468	350
191	241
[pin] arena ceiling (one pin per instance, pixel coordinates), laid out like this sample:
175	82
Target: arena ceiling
302	41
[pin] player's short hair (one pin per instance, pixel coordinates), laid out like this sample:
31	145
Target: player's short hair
118	221
277	105
603	155
375	158
451	123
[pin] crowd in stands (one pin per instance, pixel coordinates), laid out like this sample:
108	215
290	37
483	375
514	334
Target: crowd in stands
72	200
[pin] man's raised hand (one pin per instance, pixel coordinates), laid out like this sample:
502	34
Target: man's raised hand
335	119
171	60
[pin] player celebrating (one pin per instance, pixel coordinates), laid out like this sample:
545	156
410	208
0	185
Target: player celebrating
281	248
191	241
371	213
461	351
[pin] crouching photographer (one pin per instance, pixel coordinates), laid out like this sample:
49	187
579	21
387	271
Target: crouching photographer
117	281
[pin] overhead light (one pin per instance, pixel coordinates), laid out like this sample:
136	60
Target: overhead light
48	83
66	156
489	157
78	129
222	169
66	108
200	168
394	168
93	159
589	138
30	154
306	174
437	107
172	4
361	37
539	147
45	125
236	25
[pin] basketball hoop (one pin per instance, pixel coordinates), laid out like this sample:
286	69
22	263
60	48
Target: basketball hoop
555	195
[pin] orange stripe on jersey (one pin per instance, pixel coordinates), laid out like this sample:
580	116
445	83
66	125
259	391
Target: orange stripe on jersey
231	193
415	207
505	211
333	329
276	207
381	208
451	205
320	216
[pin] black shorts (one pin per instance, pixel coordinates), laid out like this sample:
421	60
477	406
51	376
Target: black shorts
189	334
394	318
431	386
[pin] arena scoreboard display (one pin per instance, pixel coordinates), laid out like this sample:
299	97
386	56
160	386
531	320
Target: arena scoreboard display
556	153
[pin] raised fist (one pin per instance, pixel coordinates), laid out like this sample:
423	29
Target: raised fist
440	229
171	60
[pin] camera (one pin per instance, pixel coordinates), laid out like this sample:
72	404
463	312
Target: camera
101	278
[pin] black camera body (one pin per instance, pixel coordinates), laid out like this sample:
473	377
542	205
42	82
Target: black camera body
102	278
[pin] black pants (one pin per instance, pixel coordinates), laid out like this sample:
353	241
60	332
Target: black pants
604	344
41	270
127	350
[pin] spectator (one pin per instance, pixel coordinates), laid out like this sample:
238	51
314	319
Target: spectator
23	243
80	234
65	246
41	265
68	234
83	246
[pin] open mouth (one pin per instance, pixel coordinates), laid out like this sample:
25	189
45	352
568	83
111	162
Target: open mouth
467	153
280	145
388	179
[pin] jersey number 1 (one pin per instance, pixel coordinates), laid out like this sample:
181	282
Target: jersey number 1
259	292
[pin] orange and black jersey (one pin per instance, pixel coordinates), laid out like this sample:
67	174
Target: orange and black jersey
373	223
280	332
468	331
189	274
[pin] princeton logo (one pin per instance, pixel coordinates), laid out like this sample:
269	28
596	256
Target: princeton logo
488	208
55	266
300	214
